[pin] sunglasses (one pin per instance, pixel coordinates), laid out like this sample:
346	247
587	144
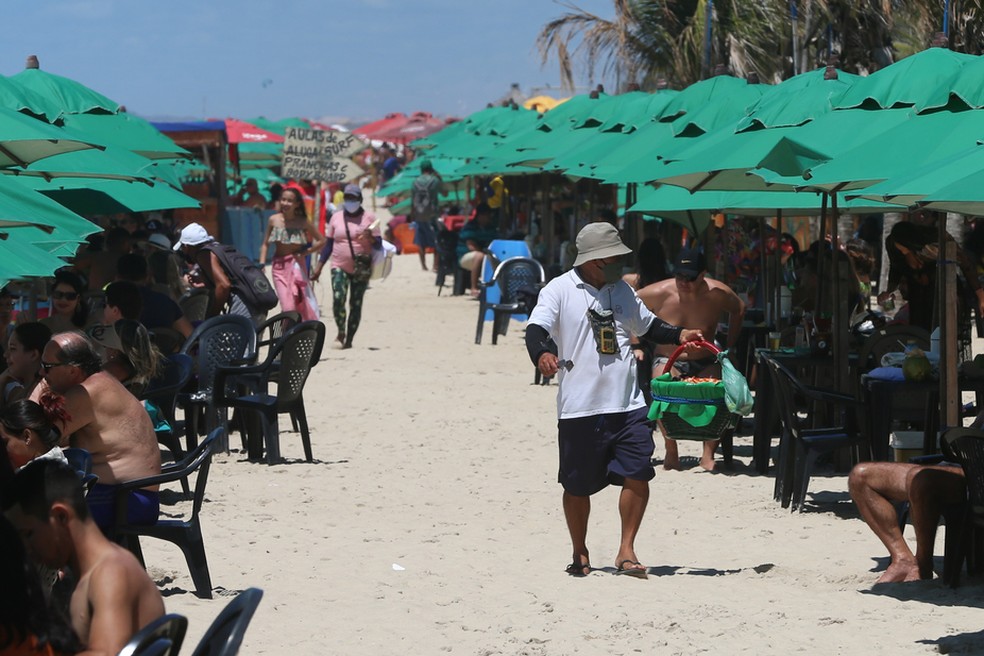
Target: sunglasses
67	296
686	278
48	366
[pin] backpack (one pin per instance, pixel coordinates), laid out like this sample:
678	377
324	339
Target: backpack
424	193
247	279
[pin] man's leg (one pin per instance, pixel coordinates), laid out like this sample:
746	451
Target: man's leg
671	460
707	460
931	488
874	486
576	511
476	270
631	507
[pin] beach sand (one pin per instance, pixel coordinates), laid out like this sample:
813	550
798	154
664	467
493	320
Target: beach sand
430	523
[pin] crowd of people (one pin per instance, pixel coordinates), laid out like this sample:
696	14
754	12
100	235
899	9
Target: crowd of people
73	378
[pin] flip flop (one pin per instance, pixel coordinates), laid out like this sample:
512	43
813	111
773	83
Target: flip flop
634	572
576	569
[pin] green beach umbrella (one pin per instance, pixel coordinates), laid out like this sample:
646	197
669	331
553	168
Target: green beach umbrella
69	96
95	196
917	141
20	259
24	140
124	131
756	159
22	206
16	98
112	163
914	80
953	184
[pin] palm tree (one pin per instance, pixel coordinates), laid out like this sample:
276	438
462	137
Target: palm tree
649	40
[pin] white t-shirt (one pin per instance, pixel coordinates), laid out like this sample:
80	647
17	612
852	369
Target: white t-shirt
596	384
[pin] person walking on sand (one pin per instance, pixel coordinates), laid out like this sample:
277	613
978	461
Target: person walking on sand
357	233
292	237
426	210
581	327
690	298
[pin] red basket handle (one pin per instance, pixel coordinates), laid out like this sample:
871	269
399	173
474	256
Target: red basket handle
673	358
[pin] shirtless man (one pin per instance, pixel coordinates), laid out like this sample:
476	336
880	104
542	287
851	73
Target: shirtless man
114	597
107	421
876	486
693	300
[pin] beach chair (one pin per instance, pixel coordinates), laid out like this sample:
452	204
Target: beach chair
225	635
800	447
176	372
221	341
288	364
510	277
185	533
162	637
965	525
275	327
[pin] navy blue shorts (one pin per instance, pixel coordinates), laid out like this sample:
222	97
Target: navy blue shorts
143	506
424	235
604	450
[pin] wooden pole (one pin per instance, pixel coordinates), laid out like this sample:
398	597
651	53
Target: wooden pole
946	273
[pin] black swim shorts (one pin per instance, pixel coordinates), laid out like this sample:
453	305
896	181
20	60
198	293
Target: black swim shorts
604	450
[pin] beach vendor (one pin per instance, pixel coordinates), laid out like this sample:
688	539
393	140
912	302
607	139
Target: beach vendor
292	237
590	314
690	298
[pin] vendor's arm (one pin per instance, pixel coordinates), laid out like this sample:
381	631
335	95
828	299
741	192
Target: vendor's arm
542	350
661	332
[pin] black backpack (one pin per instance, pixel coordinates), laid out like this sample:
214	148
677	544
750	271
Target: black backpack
247	279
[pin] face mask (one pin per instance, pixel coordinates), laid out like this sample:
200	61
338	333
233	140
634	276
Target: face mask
612	272
352	206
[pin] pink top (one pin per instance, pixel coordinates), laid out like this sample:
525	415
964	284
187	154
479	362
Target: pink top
341	254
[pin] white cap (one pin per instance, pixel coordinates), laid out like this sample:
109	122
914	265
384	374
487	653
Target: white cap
192	234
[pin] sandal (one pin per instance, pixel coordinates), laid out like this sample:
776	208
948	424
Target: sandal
576	569
635	572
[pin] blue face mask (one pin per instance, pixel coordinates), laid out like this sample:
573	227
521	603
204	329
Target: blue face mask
352	206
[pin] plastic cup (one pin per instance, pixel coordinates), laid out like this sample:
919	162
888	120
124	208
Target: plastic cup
774	338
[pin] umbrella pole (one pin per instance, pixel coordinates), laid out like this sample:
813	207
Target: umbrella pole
840	315
777	267
820	265
947	293
763	277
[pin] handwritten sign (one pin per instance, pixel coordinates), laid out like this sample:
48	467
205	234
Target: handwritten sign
321	155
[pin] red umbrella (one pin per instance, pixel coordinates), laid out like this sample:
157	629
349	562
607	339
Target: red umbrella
417	125
388	122
243	132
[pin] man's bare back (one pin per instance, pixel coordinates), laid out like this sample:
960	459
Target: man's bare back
113	599
104	418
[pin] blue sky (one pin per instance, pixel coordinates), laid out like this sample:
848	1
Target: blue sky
354	59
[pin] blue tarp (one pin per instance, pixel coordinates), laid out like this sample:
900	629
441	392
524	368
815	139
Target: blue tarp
243	227
190	126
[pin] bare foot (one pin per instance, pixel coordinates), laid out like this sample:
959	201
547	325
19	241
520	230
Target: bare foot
900	572
707	463
671	462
